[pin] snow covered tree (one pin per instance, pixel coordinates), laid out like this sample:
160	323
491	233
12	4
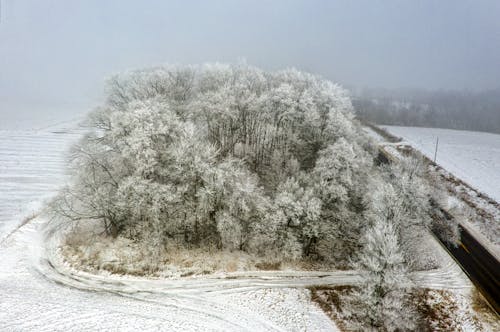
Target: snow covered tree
382	301
340	178
298	227
403	196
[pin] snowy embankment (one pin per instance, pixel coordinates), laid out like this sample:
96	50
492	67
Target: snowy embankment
36	296
471	157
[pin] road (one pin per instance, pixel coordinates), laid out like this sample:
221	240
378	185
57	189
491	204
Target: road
479	265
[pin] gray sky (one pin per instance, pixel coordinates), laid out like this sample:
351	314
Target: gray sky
55	54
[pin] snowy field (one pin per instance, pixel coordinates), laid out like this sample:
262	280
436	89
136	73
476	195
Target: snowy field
37	297
41	293
471	156
32	166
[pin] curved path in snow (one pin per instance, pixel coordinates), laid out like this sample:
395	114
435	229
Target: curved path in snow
449	276
40	293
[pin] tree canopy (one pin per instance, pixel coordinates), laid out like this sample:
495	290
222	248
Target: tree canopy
233	157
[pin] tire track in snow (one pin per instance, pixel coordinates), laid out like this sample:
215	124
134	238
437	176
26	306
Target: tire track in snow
448	276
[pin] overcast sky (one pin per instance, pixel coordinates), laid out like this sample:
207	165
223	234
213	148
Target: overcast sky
56	53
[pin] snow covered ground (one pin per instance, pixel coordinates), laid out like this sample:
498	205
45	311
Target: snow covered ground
41	293
34	300
32	164
35	296
471	156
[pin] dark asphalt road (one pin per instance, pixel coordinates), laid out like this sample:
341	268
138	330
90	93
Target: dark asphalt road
482	268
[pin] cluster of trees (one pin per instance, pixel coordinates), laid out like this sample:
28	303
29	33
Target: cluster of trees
232	157
477	111
225	156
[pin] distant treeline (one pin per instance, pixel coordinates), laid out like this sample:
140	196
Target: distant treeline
477	111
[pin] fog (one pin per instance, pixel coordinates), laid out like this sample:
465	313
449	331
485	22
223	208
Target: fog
55	54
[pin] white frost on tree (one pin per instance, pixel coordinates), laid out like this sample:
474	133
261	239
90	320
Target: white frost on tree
382	300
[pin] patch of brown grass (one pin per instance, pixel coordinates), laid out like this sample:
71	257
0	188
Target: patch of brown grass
268	266
329	300
91	252
232	266
437	308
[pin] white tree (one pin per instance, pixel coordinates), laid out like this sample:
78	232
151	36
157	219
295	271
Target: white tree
340	178
299	212
403	196
382	300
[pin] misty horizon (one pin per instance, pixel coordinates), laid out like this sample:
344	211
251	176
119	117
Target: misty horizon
55	55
